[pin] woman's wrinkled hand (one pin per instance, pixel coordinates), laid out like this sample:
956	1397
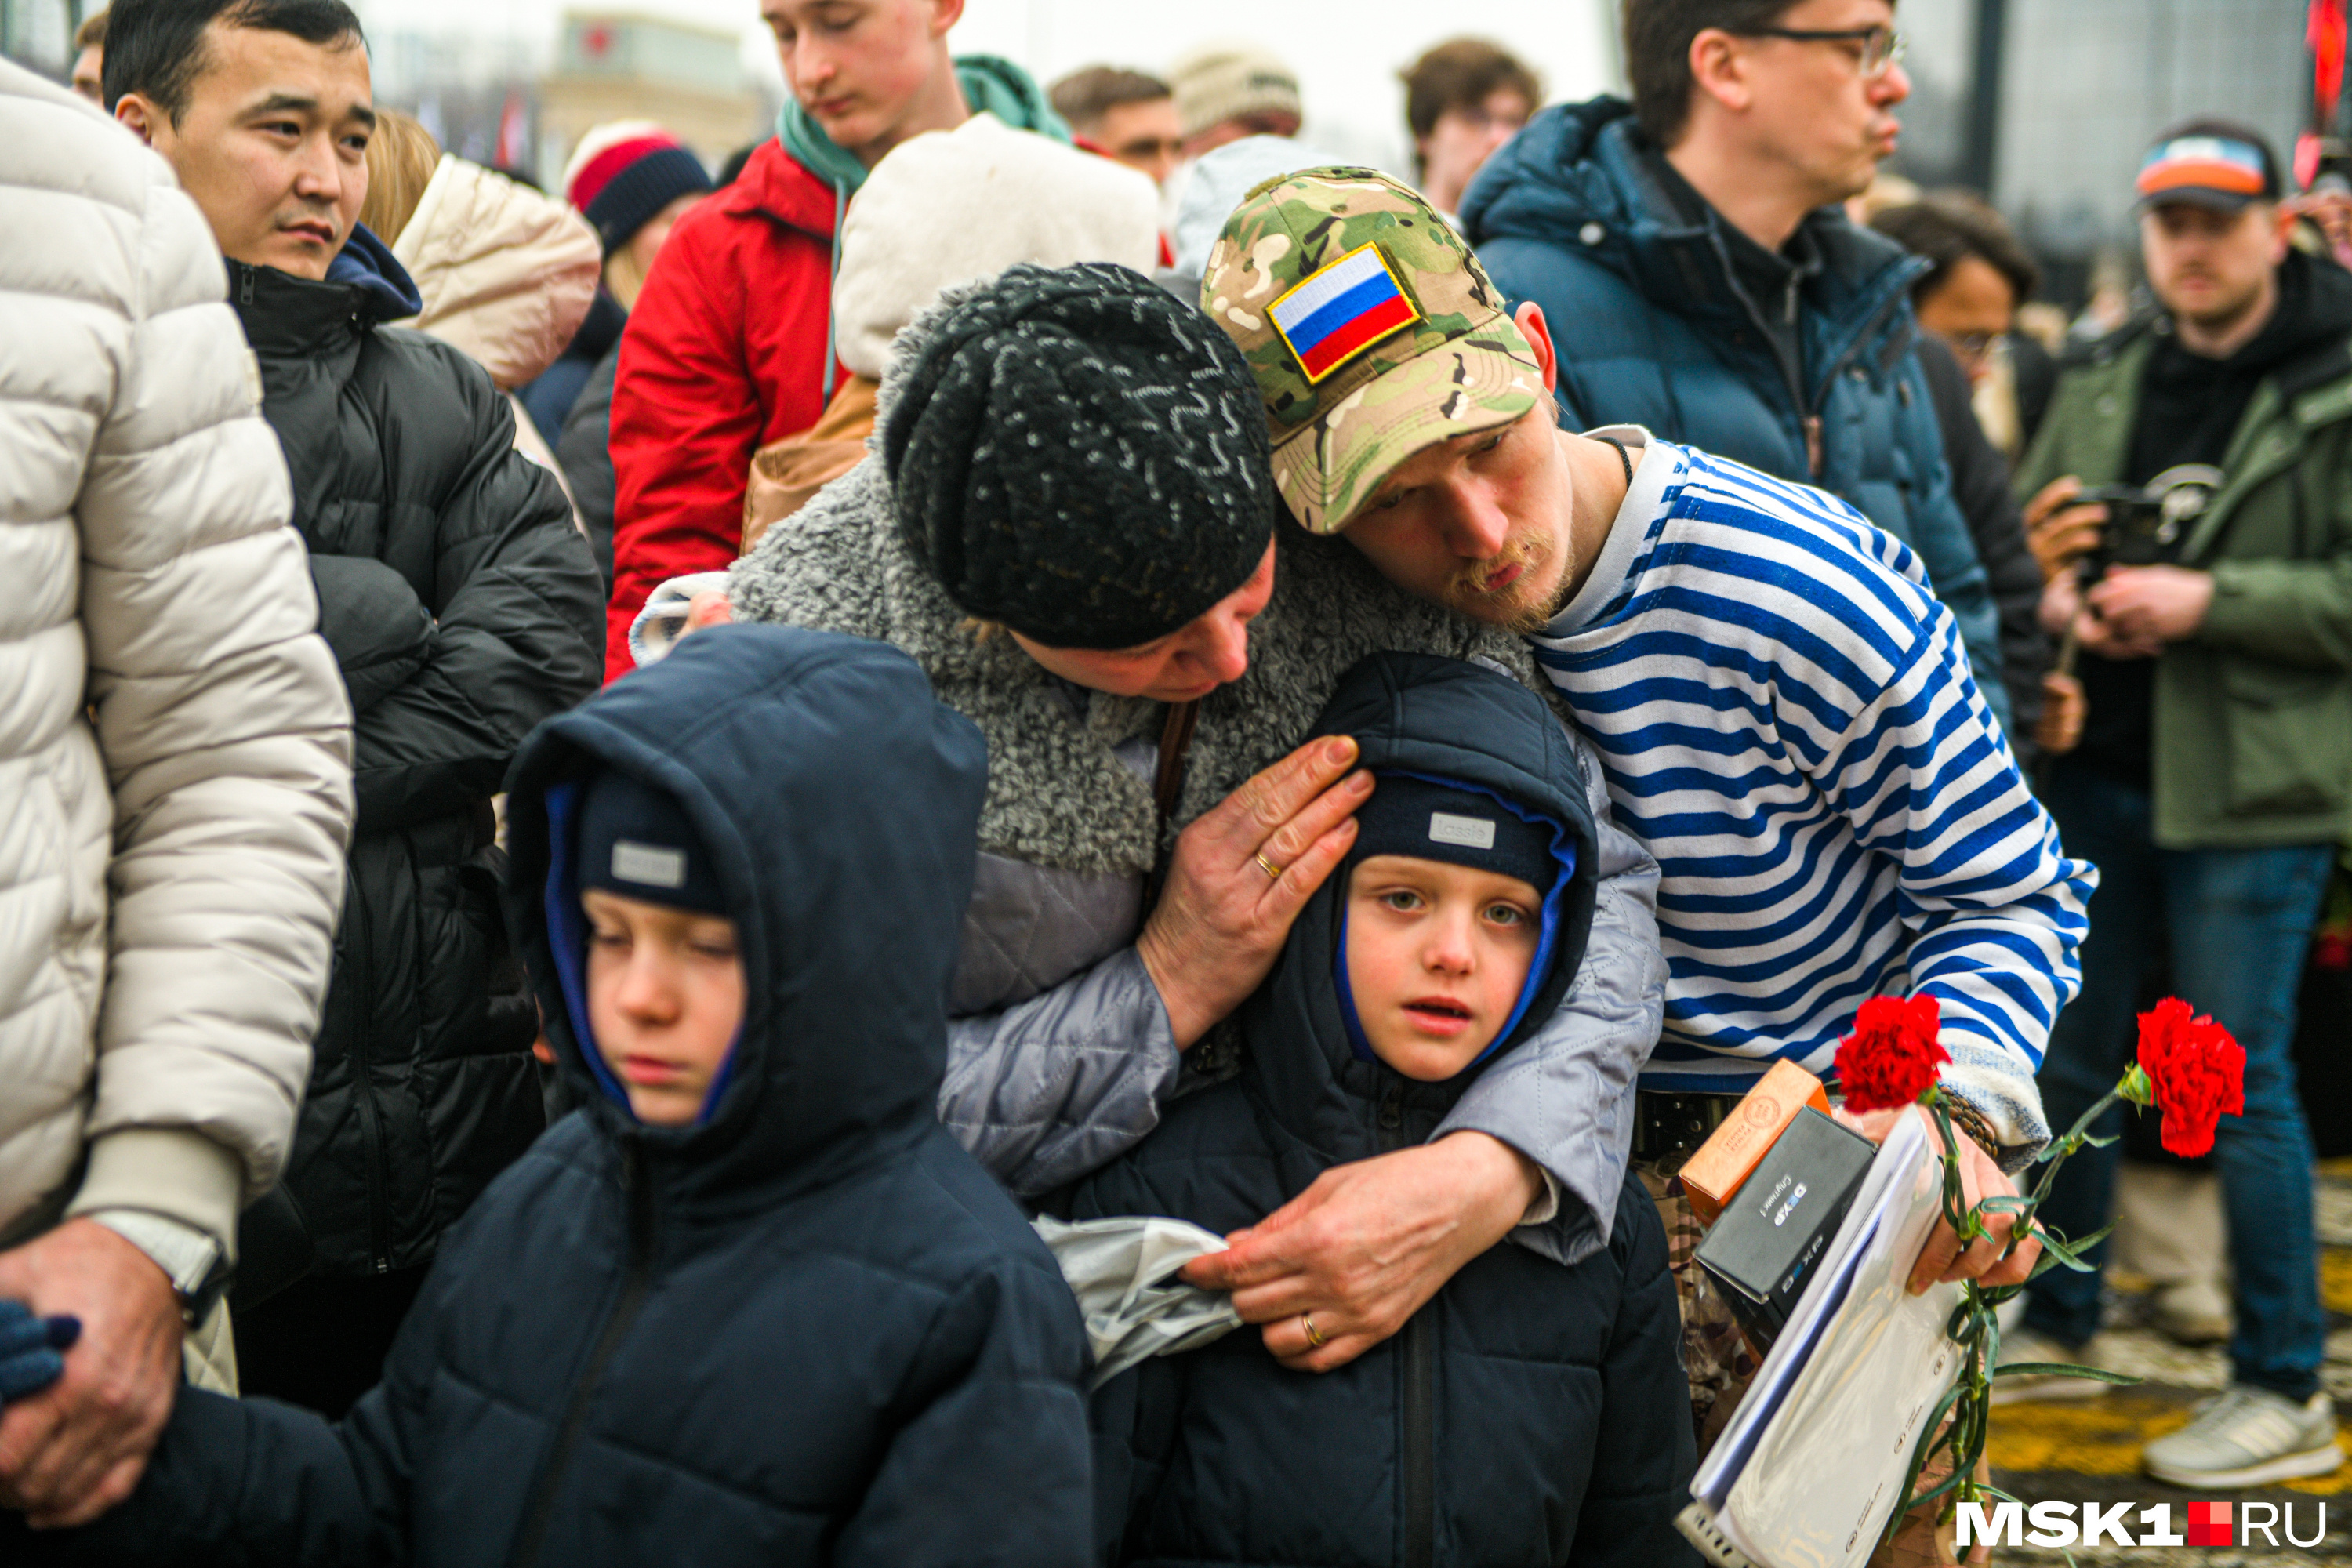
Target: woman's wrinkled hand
1223	915
1368	1244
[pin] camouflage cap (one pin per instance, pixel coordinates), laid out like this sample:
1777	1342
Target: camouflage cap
1372	330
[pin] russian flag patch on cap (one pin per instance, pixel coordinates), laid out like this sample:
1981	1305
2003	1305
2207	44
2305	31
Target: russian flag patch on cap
1340	311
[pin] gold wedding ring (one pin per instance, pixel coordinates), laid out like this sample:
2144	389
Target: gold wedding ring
1269	867
1315	1342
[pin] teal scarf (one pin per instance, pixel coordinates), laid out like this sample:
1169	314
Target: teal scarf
990	86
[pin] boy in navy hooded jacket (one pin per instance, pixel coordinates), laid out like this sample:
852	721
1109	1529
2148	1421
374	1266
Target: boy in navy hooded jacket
1527	1413
752	1304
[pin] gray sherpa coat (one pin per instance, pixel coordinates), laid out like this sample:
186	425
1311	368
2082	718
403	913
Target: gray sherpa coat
1060	1051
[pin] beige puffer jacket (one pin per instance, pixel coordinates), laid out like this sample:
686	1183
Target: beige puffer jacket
507	276
175	741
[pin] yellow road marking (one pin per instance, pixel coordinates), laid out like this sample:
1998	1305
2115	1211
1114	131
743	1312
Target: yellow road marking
2103	1437
2335	1279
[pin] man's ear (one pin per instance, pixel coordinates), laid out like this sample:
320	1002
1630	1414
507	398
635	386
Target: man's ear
2282	232
945	13
139	116
1532	326
1719	70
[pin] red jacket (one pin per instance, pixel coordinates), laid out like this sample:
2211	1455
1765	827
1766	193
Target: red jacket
724	353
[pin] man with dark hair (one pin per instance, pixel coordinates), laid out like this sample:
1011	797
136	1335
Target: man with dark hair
1708	283
462	607
1125	115
1462	98
89	56
2213	776
1978	274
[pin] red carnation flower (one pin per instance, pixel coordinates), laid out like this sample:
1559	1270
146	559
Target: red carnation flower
1891	1058
2198	1070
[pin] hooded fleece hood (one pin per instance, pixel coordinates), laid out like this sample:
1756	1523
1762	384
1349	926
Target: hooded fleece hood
840	803
503	272
1470	727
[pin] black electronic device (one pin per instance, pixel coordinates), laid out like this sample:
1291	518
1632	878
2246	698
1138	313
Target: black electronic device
1765	1248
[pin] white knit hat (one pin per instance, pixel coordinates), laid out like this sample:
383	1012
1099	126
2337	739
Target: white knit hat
1225	81
956	206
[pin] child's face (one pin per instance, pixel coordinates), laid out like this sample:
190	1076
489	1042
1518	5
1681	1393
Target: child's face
1437	955
665	999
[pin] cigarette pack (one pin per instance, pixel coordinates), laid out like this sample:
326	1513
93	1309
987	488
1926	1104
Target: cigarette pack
1714	1173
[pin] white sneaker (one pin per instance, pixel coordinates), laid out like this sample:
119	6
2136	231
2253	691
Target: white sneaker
2026	1345
2248	1437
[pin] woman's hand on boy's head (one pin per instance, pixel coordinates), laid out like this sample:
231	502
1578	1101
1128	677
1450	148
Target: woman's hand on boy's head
1363	1249
1223	915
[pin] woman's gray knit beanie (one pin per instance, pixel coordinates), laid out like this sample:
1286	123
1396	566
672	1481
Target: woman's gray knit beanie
1080	457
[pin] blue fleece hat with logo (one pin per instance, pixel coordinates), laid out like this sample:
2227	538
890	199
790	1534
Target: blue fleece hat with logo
635	841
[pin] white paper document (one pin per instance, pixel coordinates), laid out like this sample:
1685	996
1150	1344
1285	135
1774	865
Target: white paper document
1813	1463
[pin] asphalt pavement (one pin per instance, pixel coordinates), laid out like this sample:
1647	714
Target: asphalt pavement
2088	1449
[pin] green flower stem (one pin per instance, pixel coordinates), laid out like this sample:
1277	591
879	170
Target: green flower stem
1974	1327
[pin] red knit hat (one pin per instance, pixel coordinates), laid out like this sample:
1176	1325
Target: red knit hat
625	172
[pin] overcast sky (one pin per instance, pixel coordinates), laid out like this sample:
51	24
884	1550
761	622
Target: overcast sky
1346	52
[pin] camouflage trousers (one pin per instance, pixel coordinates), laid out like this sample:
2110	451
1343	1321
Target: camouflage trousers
1719	1365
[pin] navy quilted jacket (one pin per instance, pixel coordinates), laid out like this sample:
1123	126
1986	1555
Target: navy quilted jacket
1653	329
807	1330
1476	1436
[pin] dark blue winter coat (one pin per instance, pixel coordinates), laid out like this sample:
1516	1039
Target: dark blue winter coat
809	1330
1654	329
1476	1436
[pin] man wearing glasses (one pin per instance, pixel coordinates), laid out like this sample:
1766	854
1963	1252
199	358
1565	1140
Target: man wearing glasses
1704	281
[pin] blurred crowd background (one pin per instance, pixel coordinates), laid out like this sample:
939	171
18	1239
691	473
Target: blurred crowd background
2042	106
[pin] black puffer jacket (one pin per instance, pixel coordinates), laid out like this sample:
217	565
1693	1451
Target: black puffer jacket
584	448
463	608
809	1330
1477	1435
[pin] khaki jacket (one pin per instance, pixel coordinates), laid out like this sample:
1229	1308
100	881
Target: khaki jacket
787	474
2253	714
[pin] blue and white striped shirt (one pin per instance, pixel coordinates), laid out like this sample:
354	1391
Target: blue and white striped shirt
1788	721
